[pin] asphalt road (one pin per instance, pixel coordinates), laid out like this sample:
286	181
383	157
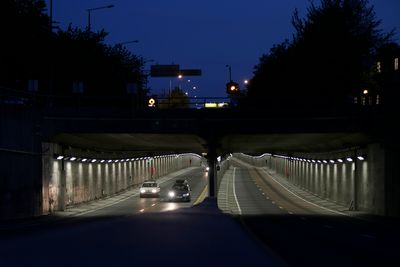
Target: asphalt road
133	231
196	177
301	232
270	226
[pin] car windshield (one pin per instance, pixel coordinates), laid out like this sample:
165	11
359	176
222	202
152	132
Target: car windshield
179	187
149	185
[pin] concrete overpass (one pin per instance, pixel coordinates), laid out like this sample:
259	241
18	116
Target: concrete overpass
120	133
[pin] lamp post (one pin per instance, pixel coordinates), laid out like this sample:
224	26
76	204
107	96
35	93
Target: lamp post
128	42
89	10
230	72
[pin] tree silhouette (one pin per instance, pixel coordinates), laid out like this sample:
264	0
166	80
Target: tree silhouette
329	59
30	50
26	35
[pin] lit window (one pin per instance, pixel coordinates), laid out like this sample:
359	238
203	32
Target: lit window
396	63
378	67
378	99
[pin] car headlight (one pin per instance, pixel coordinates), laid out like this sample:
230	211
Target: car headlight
171	194
208	168
154	191
142	191
186	194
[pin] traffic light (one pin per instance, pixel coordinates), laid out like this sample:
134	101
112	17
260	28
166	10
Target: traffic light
152	102
232	88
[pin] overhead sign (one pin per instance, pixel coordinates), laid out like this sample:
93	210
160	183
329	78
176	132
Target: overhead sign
172	71
164	70
190	72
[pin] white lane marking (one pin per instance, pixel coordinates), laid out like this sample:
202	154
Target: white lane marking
153	205
234	191
337	212
227	191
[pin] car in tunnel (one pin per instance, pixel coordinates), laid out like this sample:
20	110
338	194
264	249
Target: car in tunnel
149	189
179	192
183	182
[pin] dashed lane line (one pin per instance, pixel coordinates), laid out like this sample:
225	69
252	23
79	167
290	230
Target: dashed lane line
333	211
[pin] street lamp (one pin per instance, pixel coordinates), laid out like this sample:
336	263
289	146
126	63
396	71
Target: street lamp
128	42
89	10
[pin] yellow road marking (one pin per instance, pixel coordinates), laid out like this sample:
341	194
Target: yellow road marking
201	197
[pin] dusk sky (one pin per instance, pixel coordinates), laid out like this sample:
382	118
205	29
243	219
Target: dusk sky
206	34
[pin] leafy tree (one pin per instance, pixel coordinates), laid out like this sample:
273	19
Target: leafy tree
26	35
30	50
329	59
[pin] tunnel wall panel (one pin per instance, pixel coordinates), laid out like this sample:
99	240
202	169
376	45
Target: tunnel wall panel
68	183
357	185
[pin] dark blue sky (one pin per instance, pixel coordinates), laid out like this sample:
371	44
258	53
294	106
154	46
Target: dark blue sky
206	34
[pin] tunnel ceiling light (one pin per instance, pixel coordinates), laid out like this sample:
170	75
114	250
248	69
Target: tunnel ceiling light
72	158
340	160
361	158
313	161
349	159
60	157
319	161
116	160
331	161
109	161
324	161
94	160
83	160
102	161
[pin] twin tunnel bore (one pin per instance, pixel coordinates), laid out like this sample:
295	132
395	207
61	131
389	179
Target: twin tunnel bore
116	162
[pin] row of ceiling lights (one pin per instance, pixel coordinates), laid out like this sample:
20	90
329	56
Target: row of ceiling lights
87	160
340	160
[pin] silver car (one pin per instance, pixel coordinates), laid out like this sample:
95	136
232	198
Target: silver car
150	189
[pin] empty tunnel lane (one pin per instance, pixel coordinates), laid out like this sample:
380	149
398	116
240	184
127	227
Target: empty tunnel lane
304	233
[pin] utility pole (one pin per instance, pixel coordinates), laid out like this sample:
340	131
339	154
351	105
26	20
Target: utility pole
51	15
230	72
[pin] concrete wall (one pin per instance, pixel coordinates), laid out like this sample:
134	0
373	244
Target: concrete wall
70	182
20	162
358	184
